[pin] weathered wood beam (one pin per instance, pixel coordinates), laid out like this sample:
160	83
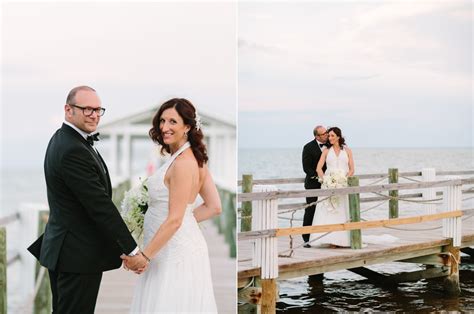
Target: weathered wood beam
361	177
242	197
368	273
440	259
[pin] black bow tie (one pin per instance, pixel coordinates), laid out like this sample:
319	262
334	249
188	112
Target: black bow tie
321	145
91	138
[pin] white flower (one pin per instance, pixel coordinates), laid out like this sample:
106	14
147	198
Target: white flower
134	207
333	180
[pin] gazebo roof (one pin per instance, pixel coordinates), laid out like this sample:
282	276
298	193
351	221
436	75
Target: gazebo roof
145	118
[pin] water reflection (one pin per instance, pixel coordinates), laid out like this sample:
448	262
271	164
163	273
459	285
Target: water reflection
336	293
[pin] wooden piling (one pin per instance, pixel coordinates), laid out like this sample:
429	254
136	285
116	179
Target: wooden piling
246	221
230	224
451	283
3	270
43	299
269	295
393	203
354	213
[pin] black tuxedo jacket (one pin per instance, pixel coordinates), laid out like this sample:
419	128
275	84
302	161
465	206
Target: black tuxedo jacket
311	155
85	232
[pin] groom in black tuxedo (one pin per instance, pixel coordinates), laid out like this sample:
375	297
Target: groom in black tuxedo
311	154
85	234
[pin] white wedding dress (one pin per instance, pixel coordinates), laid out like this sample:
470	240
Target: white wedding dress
178	278
333	212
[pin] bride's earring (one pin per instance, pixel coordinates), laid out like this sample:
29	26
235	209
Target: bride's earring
186	135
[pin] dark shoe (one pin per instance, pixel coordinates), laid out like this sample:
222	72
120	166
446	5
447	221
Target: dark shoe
307	245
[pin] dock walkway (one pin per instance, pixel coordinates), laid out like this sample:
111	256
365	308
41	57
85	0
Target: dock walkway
314	260
117	286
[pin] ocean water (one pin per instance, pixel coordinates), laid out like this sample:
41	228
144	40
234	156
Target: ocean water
342	291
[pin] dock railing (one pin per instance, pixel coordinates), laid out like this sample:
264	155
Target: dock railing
260	211
34	292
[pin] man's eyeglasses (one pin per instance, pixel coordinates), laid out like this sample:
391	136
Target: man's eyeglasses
87	111
321	134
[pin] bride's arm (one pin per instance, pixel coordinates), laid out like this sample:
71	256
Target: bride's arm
180	185
212	202
351	162
322	160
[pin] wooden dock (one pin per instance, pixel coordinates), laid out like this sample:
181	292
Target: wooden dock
311	261
428	237
116	291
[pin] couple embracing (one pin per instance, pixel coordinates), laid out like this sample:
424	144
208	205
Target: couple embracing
85	234
325	158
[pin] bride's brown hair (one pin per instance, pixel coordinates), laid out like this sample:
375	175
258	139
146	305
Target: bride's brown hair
338	132
187	112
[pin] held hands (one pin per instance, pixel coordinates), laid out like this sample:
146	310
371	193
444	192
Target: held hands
137	263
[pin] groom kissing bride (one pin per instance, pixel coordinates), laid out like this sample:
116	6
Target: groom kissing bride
327	155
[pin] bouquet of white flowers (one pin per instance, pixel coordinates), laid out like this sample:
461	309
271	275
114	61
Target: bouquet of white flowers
333	180
134	207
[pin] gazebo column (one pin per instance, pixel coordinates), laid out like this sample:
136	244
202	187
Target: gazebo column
213	157
126	156
113	162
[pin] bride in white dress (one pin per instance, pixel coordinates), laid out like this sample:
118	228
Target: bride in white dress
178	276
337	157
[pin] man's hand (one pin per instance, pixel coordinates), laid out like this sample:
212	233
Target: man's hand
137	263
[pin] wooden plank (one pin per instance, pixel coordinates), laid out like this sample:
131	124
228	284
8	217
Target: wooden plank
345	262
258	234
368	273
433	259
361	177
280	232
350	190
366	224
348	258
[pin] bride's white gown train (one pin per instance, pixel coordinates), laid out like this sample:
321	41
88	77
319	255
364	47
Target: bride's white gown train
178	278
335	212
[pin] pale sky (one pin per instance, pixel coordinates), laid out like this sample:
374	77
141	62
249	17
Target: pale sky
388	73
136	55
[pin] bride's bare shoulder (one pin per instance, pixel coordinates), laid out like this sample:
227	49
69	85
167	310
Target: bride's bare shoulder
186	161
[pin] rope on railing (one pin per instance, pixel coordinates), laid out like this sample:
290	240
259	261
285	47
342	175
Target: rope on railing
291	249
387	197
410	179
291	209
367	209
303	206
291	238
377	181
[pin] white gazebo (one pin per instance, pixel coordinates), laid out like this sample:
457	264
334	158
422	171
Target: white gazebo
118	137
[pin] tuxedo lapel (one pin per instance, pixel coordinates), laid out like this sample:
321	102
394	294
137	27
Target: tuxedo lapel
109	184
95	155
